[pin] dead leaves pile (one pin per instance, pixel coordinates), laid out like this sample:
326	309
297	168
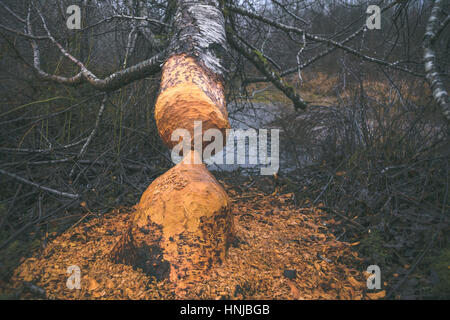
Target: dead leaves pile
272	236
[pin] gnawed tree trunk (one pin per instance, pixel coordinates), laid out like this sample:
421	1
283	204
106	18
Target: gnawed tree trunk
183	223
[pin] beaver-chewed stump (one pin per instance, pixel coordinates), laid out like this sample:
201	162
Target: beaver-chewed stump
182	225
181	228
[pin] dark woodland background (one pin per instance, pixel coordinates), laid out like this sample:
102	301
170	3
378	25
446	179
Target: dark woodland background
377	143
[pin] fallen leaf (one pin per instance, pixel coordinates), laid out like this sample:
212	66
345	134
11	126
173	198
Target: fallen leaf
377	295
92	285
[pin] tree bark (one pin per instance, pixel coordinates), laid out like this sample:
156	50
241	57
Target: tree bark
440	94
183	225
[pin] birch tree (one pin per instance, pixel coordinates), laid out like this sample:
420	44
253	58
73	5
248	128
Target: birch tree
183	223
436	24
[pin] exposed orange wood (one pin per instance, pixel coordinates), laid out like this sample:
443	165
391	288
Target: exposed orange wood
192	209
189	92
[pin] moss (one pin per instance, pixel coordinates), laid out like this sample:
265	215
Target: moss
268	67
286	85
261	57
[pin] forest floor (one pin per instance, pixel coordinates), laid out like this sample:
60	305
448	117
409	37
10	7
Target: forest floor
283	252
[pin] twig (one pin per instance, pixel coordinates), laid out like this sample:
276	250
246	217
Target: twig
356	224
78	222
420	257
6	215
59	193
324	189
91	135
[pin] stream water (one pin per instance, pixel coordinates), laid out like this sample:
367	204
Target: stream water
257	116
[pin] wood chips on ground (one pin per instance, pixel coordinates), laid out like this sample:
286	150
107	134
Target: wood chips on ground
274	237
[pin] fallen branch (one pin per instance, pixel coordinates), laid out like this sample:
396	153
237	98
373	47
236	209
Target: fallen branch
354	223
41	187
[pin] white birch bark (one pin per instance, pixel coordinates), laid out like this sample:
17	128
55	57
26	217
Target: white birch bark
440	94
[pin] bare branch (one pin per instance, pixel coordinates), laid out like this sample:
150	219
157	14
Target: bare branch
92	134
264	68
41	187
147	19
291	13
318	56
12	13
339	45
110	83
130	45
